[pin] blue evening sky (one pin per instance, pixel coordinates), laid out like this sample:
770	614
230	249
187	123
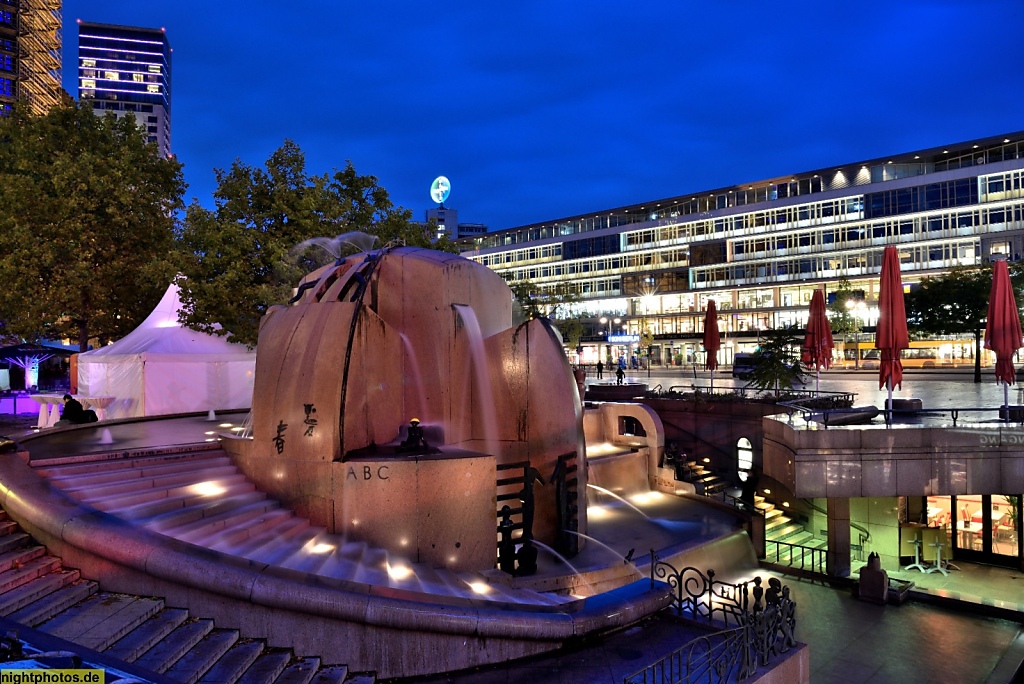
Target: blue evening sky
544	110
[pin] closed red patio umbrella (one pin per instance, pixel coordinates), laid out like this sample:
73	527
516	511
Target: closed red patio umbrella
816	351
891	333
1002	331
712	339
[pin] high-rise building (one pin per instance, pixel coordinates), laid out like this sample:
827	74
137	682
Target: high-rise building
126	69
30	53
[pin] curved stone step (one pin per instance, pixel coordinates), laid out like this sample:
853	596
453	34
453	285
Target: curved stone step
15	577
299	671
132	645
201	657
94	471
238	535
138	629
134	503
286	529
175	645
55	602
117	487
18	557
19	597
267	668
13	540
218	514
229	668
101	619
331	674
247	525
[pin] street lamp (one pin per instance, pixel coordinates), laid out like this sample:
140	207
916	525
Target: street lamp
857	309
604	320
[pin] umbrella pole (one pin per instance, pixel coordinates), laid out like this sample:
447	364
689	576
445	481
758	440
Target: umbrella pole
1006	400
712	390
817	381
888	403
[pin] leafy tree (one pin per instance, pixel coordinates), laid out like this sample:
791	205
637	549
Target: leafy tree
559	303
86	224
841	317
238	256
646	341
955	303
776	363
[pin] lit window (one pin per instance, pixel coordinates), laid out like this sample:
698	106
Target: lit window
744	457
153	88
88	83
111	75
88	62
137	78
154	68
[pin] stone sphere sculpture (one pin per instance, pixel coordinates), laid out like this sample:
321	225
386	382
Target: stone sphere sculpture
383	336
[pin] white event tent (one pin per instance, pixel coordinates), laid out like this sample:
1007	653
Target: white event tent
162	368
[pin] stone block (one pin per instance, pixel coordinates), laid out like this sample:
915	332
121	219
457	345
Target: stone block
879	478
811	479
914	475
842	479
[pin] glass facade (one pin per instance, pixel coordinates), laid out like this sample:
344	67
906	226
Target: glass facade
760	249
124	70
30	54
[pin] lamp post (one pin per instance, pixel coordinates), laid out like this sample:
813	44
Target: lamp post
604	320
857	308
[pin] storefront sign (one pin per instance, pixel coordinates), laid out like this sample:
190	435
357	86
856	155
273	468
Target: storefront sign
623	339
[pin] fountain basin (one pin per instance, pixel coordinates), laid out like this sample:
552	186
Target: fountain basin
393	632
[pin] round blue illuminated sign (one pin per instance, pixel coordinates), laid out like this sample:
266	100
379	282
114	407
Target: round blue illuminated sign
440	189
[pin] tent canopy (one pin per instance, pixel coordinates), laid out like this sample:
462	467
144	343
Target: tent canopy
162	368
29	350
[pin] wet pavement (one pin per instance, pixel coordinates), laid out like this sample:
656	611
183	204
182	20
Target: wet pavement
851	642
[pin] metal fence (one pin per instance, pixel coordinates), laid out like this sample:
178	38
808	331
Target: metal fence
764	619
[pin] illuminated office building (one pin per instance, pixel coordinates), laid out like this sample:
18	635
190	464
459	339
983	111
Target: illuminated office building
30	54
760	249
127	70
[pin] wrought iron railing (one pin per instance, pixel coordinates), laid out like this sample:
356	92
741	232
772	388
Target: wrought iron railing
764	619
719	657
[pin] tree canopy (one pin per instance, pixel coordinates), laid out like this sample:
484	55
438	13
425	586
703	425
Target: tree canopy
956	303
238	257
87	224
842	319
776	363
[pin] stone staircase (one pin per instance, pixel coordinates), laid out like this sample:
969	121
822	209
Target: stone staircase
202	498
704	481
780	527
37	591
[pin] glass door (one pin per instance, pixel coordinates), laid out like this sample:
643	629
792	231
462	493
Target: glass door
1003	525
988	528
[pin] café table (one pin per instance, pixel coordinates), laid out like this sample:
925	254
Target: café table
940	565
969	532
997	515
49	408
98	404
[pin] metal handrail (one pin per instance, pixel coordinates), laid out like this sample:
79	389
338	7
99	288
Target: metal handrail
818	556
953	412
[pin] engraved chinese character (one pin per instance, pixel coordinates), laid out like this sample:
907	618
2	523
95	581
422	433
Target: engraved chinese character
279	437
310	421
